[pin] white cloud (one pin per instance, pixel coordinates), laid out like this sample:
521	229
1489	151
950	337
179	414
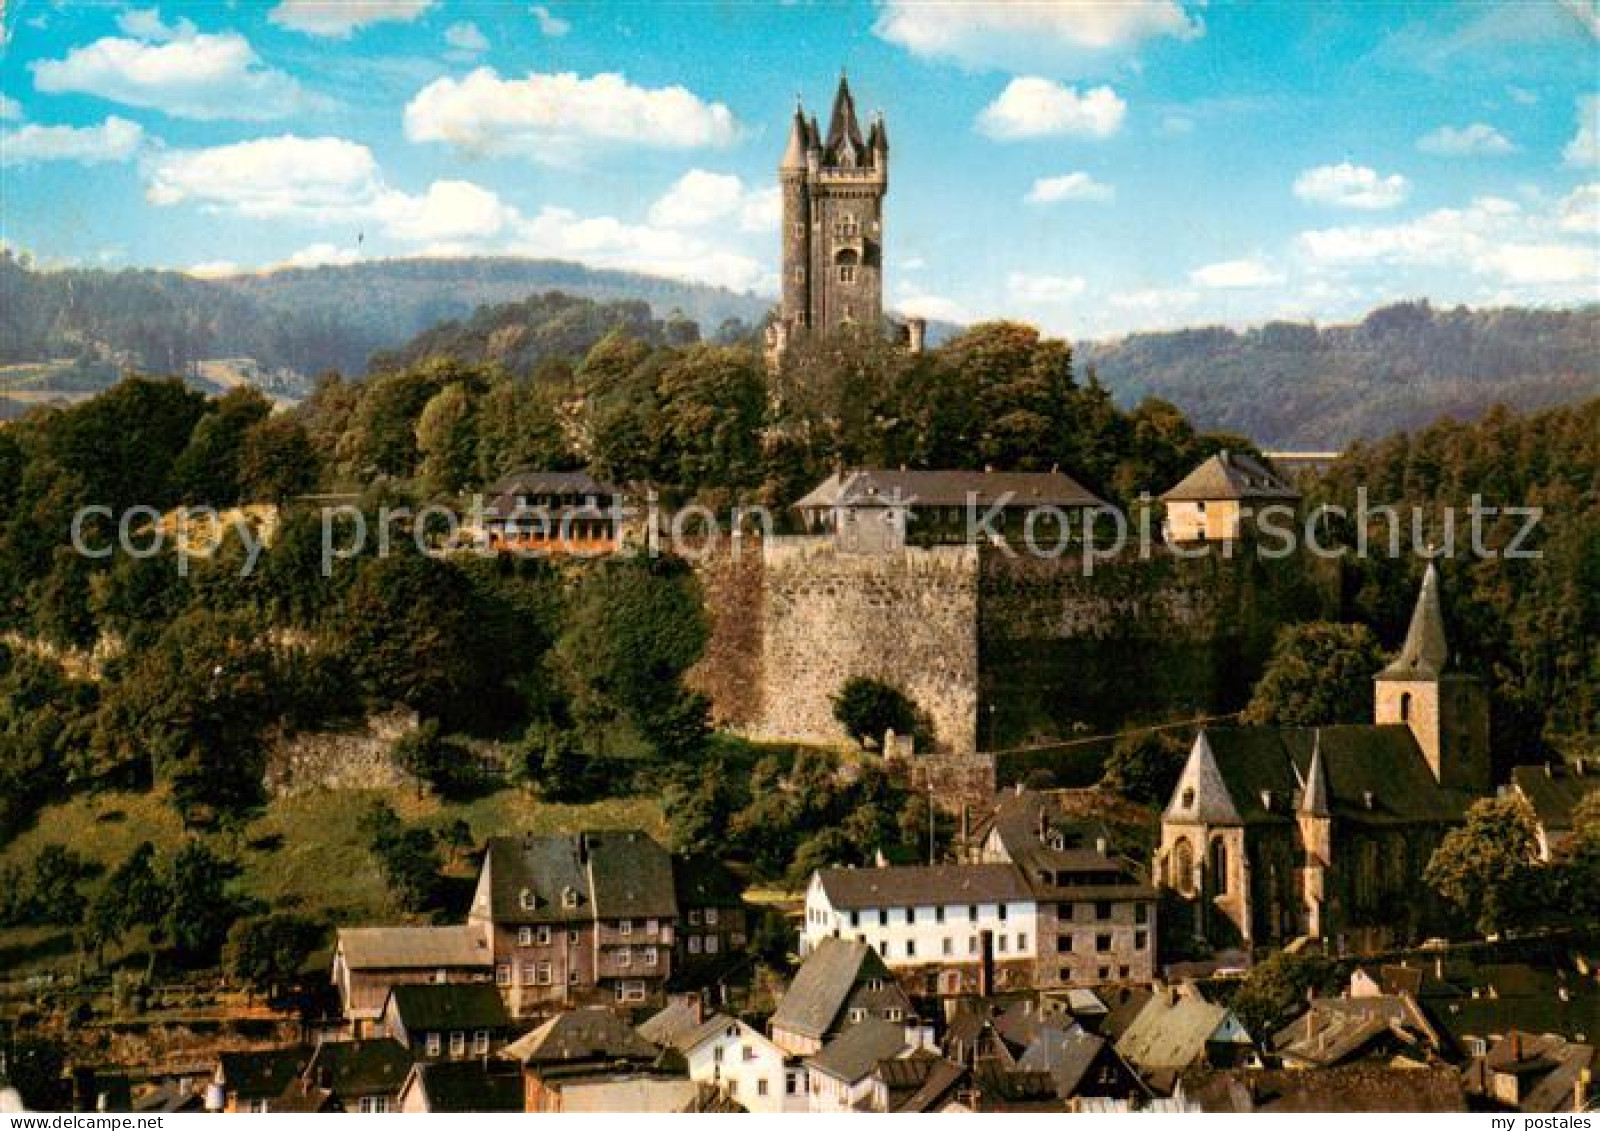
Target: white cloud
1043	290
338	18
1522	96
551	26
914	301
1236	274
1070	186
1579	211
204	77
317	179
215	269
115	139
1029	36
1035	107
465	40
451	212
319	255
603	241
146	23
699	198
1476	140
10	108
1584	148
1351	186
553	118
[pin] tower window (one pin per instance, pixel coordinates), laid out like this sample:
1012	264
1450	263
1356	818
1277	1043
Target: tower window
799	274
1405	707
847	273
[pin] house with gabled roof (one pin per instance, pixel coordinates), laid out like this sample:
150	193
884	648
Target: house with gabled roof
462	1087
254	1081
1177	1030
370	961
1553	792
841	1075
732	1056
1278	832
591	1060
841	983
1220	500
553	512
578	918
440	1022
356	1076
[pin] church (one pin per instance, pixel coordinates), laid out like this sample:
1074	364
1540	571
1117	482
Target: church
1276	833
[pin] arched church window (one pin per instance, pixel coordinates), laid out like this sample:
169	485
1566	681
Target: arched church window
1183	866
1219	866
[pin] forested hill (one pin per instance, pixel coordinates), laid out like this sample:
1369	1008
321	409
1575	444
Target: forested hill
307	319
1401	368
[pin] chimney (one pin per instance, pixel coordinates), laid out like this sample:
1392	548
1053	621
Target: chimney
1044	822
1516	1046
1438	966
985	963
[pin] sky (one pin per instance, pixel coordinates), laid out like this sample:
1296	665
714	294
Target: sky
1095	167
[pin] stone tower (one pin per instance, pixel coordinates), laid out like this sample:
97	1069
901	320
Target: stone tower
833	188
1447	711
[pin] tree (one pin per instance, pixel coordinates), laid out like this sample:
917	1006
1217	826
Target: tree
866	708
207	471
447	439
1144	766
36	1067
1319	674
56	897
407	854
199	910
1488	868
553	761
698	813
430	757
267	953
277	462
1275	990
132	896
1577	863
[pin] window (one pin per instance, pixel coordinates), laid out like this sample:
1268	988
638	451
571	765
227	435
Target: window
761	1087
1219	865
972	944
711	944
1000	943
1141	940
1188	799
652	926
894	1014
791	1083
1141	913
716	1054
1002	913
1102	943
911	915
528	974
1022	941
1063	944
911	948
625	927
883	917
541	935
630	991
502	974
569	897
711	916
972	913
799	274
572	937
694	944
733	1087
857	1015
374	1105
458	1044
738	938
439	976
572	976
746	1053
434	1044
694	916
624	956
938	914
1102	910
480	1043
527	899
948	947
258	1107
855	918
544	974
650	956
1405	707
524	936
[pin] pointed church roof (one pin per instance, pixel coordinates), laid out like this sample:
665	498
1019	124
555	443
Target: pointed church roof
794	156
843	125
1425	652
1202	796
1314	800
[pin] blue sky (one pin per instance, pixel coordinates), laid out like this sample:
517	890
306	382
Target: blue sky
1095	167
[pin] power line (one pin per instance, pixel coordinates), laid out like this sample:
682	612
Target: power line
1068	744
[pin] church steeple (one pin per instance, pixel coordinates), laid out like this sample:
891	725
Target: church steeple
1314	798
1425	652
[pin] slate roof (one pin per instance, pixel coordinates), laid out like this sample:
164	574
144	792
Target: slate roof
1231	769
1553	791
465	1086
878	487
832	977
705	882
1230	475
592	1034
1349	1088
1124	1004
920	1082
360	1068
1171	1032
855	1052
664	1027
616	874
1425	653
1066	1054
1326	1035
441	1008
531	484
264	1074
922	885
404	948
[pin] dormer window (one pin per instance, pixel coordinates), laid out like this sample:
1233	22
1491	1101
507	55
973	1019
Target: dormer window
569	897
527	899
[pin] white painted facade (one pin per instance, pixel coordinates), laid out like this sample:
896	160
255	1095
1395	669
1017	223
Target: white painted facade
930	934
748	1067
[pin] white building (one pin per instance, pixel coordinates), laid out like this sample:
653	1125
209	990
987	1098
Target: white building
953	929
745	1065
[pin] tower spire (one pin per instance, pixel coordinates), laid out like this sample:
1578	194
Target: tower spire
1426	651
842	125
1314	801
794	155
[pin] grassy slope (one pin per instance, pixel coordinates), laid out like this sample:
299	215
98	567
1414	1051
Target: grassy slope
302	853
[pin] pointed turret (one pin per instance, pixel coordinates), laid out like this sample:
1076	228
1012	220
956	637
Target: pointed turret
878	141
844	132
1201	796
1425	652
794	156
1314	800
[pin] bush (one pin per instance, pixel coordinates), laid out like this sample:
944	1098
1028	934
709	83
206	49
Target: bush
866	708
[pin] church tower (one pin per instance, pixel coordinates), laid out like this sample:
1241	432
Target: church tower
833	188
1447	711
